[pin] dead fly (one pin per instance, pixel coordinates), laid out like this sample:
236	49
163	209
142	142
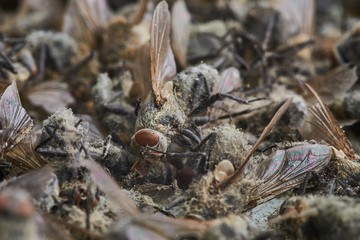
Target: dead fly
161	105
165	116
172	99
136	225
317	217
254	182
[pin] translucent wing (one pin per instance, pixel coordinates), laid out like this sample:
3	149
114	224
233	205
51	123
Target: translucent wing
84	20
118	196
288	169
163	67
50	95
141	73
180	28
24	157
301	13
94	131
229	81
34	182
321	125
239	173
335	83
15	123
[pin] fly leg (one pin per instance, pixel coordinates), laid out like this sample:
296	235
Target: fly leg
203	105
303	186
333	184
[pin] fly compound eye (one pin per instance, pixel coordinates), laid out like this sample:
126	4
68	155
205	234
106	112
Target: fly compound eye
149	143
147	137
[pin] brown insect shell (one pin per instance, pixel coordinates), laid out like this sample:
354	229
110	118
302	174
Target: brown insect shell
223	170
146	138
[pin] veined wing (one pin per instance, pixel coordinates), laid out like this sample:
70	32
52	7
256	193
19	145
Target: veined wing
50	95
15	123
327	85
23	156
321	125
180	28
163	67
288	169
84	20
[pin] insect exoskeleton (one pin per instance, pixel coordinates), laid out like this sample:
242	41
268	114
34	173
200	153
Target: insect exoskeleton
149	143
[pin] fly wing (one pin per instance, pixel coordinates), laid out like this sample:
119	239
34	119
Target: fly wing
163	67
239	173
334	84
321	125
84	20
141	73
288	169
301	14
50	95
229	81
180	28
35	182
24	158
15	123
119	197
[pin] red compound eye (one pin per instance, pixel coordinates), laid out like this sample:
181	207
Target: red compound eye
147	137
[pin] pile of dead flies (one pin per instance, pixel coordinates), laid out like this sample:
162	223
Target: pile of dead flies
202	119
